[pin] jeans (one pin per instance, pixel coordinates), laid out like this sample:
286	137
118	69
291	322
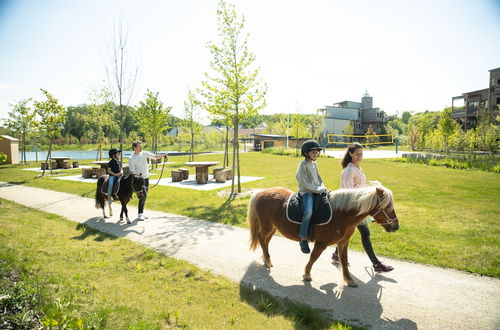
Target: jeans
111	181
307	206
142	201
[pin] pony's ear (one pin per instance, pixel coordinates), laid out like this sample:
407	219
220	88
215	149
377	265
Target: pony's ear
380	191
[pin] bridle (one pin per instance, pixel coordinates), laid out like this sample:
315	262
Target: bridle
388	220
132	186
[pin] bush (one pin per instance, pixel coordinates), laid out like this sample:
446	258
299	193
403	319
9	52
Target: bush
471	161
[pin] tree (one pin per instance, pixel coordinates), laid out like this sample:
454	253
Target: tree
52	116
281	126
152	117
316	125
349	129
120	75
190	123
100	117
298	126
22	119
446	126
233	90
371	139
405	117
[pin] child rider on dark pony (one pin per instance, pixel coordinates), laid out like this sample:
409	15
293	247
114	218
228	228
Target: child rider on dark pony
310	185
114	171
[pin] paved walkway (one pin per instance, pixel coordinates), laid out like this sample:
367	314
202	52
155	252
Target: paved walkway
410	297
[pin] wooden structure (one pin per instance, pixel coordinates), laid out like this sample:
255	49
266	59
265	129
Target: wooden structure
228	173
102	164
87	173
10	147
176	176
185	173
76	164
201	170
219	174
60	162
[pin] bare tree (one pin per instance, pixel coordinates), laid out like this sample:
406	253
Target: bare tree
121	72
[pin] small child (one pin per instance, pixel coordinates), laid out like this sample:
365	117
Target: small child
310	184
114	171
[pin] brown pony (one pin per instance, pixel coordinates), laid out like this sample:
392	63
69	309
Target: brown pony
267	213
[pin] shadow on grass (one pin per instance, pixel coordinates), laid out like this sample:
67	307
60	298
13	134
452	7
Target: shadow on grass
227	212
360	306
88	232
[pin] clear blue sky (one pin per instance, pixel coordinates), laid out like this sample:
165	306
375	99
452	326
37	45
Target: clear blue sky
410	55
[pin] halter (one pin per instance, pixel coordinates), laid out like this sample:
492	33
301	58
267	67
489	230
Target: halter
388	220
132	185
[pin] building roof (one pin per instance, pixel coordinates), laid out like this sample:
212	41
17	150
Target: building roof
8	137
270	136
494	69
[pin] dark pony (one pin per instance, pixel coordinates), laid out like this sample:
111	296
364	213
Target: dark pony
267	213
350	149
128	185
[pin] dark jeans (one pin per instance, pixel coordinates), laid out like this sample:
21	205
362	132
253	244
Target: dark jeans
142	201
367	243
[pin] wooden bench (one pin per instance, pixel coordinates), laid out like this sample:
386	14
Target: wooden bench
185	173
229	173
75	165
177	176
219	174
53	165
87	173
44	166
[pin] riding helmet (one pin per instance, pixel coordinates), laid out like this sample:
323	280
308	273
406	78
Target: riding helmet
308	146
113	151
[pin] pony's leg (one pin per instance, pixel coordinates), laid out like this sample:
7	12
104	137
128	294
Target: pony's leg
110	210
124	210
319	247
342	249
264	239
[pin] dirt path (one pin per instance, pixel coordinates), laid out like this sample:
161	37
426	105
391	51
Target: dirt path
410	297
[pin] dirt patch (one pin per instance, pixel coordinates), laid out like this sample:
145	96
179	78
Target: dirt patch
245	193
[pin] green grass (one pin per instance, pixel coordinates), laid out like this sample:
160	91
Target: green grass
89	278
448	217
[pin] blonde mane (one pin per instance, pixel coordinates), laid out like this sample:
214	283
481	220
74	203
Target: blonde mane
361	199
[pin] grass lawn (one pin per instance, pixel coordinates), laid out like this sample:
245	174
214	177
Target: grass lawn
88	278
448	217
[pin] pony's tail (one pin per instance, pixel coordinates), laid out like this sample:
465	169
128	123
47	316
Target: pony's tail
99	198
253	222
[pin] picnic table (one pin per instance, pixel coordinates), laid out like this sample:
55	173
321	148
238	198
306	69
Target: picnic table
60	161
201	170
102	163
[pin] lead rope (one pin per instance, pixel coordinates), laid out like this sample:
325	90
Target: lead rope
161	173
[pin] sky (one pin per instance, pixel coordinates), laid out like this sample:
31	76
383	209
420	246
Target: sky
411	55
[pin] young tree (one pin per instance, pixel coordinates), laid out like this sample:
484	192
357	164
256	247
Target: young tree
152	117
446	126
52	116
298	126
22	119
120	73
371	138
316	125
349	129
233	90
100	117
190	124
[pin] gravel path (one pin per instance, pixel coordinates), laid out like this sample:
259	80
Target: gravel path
413	296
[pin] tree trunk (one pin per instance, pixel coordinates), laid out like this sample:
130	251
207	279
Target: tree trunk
226	149
238	165
24	147
235	128
191	156
48	157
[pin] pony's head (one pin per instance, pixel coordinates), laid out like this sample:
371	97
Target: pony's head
138	185
384	213
377	202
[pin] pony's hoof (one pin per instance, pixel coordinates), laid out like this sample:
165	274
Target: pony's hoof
307	277
268	264
128	221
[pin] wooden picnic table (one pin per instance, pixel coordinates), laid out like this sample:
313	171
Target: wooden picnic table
102	163
201	170
60	161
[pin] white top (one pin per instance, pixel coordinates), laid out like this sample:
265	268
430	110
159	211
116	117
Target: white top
138	163
308	178
352	177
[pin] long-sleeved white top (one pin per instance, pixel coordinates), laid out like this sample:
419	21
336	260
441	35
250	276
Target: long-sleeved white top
138	163
308	178
352	177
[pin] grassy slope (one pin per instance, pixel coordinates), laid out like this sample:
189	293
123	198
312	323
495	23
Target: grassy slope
448	217
113	283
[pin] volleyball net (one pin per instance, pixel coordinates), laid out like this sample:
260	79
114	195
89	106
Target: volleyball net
366	140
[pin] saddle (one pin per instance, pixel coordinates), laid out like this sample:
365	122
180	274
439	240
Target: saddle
322	210
116	186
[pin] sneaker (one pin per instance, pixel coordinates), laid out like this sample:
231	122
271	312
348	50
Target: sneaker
141	217
380	267
304	247
335	258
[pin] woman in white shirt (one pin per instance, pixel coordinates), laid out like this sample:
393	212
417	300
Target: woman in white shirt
138	164
353	177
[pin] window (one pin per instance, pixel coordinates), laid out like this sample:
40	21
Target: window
498	100
498	81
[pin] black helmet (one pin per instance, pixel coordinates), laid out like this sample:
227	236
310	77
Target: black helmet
113	152
308	146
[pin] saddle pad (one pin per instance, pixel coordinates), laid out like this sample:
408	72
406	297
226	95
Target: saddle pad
322	210
116	186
